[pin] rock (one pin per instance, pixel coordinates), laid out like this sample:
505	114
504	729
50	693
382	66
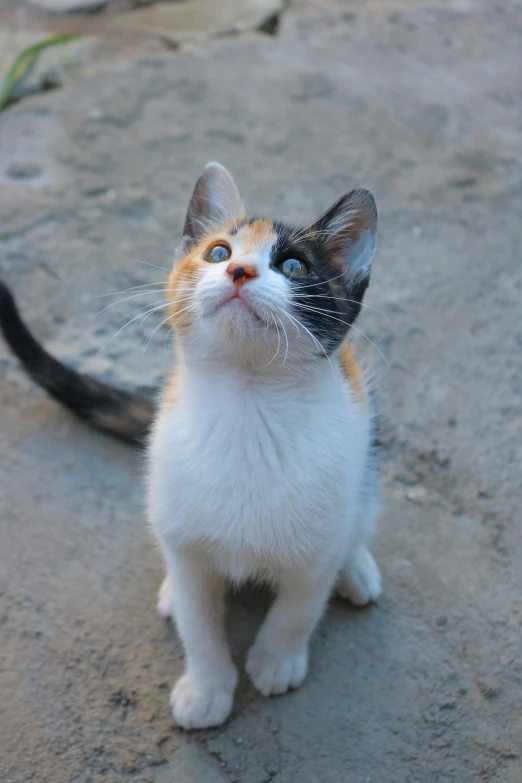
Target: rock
21	170
420	495
487	689
198	19
65	6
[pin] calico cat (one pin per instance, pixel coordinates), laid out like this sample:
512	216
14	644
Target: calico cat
261	459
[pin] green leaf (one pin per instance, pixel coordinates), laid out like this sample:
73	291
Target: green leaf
25	62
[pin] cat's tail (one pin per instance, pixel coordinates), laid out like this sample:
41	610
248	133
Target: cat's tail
124	414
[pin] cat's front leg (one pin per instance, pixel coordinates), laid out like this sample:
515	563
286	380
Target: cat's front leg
203	696
278	660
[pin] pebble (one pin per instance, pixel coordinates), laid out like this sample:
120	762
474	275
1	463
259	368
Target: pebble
21	170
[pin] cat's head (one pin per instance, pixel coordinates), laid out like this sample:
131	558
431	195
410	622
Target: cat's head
264	292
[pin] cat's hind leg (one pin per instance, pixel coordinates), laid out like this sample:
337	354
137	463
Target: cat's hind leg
359	580
165	605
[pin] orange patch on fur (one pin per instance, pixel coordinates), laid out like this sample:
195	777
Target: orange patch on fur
353	373
260	232
182	282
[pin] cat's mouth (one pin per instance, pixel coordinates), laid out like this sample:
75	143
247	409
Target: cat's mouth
238	304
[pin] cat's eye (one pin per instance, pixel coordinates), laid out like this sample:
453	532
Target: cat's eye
217	254
293	268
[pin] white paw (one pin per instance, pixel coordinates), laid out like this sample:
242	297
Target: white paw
275	674
360	580
197	707
165	600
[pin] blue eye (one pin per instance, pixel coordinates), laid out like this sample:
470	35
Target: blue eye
217	254
293	268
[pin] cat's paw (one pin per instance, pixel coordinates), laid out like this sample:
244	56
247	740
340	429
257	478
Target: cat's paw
165	605
360	580
275	674
197	707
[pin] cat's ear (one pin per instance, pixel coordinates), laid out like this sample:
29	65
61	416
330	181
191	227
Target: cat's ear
215	201
348	233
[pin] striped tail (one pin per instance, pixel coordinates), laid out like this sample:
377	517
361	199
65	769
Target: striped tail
126	415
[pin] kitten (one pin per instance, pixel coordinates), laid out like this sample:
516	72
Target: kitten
261	458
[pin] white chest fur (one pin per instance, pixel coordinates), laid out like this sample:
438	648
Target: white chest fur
258	471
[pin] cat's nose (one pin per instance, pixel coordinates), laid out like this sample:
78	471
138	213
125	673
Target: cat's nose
240	273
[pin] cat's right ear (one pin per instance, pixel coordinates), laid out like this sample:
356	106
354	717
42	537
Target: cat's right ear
348	232
215	201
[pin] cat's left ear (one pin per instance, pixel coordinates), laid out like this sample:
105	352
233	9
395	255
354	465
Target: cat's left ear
214	202
348	232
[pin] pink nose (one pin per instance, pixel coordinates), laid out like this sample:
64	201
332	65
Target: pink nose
240	273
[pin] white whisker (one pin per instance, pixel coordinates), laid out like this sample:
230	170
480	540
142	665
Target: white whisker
120	301
314	338
278	343
342	299
146	263
351	326
153	310
169	317
286	338
167	336
134	288
321	282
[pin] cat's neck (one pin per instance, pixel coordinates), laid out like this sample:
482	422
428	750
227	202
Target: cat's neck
281	372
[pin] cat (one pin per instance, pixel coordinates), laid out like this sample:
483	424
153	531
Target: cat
261	459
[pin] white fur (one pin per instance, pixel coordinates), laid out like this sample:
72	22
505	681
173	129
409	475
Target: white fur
259	469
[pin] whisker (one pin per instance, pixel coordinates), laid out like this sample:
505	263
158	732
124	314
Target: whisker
183	299
120	301
278	343
350	326
330	280
286	338
147	263
314	338
153	310
293	321
167	336
352	301
183	273
151	291
374	345
134	288
178	314
299	229
160	307
151	335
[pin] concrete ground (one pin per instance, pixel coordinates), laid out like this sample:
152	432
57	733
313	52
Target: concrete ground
421	101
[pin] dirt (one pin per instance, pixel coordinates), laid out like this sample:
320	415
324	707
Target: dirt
420	101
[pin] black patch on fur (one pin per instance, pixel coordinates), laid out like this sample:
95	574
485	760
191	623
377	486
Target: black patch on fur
324	300
119	412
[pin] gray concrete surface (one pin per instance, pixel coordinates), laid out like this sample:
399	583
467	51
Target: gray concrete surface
421	101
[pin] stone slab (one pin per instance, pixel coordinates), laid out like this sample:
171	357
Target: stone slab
423	106
197	19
